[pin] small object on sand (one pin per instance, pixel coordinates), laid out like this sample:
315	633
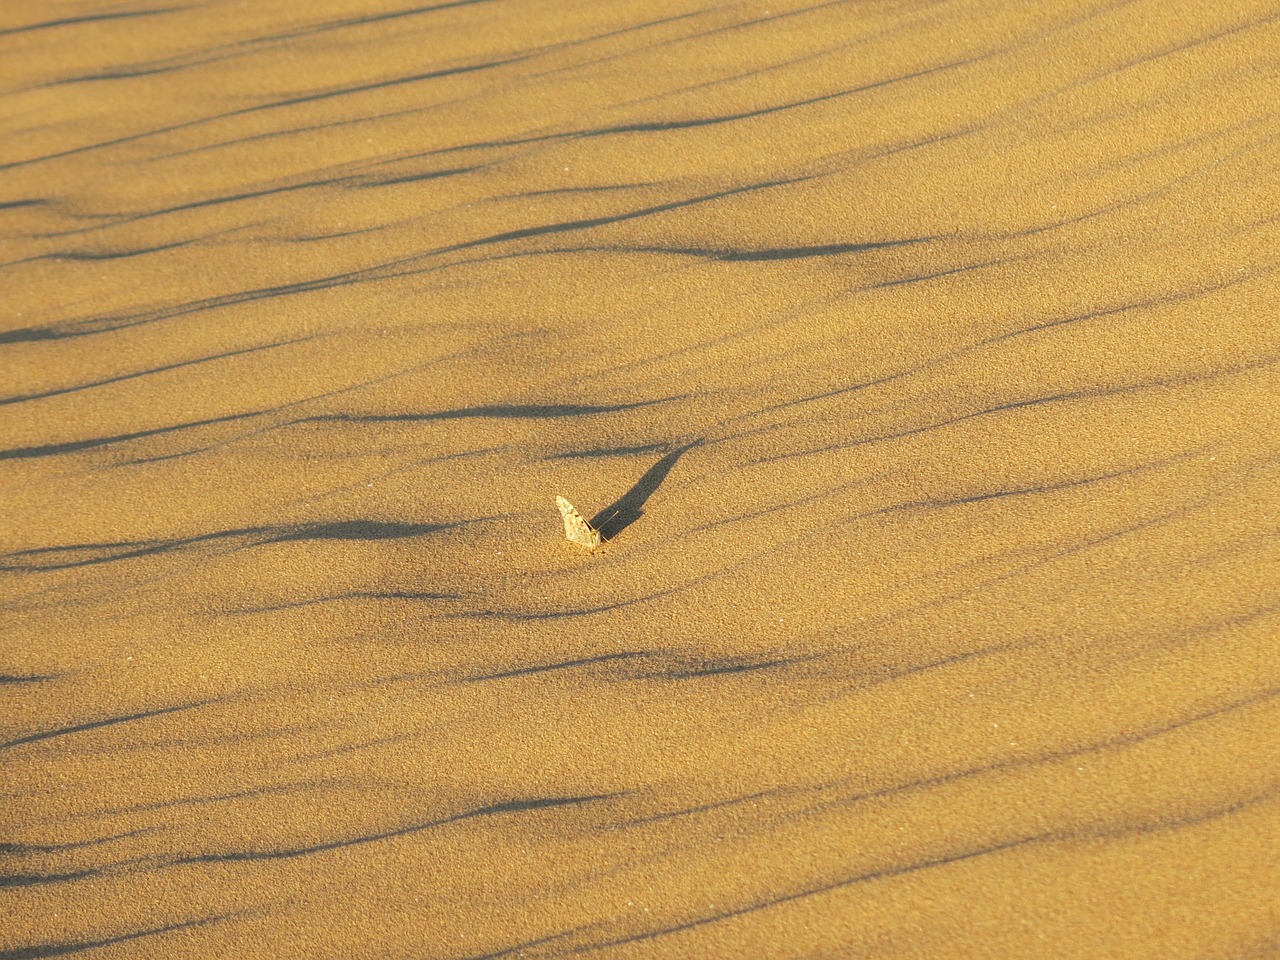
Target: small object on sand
577	530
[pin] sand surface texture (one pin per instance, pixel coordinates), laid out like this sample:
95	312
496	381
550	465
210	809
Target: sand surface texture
918	362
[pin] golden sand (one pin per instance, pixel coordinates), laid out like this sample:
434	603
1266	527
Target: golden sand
916	360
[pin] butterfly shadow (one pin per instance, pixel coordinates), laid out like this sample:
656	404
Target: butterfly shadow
629	508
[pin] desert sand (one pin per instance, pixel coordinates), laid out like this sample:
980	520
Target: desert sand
917	362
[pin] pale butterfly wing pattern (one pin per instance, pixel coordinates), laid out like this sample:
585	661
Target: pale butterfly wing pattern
577	530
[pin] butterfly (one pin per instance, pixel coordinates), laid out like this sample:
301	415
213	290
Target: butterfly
577	530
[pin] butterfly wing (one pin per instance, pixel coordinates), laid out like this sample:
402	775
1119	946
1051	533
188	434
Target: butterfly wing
577	530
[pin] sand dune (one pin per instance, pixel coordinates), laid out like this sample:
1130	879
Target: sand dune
918	362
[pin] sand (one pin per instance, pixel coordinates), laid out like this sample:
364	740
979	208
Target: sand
916	360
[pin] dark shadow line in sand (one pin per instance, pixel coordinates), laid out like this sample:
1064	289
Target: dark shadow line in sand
89	18
226	51
376	595
503	411
257	108
97	724
28	849
67	556
75	388
358	530
496	809
78	946
550	667
600	452
702	808
76	446
629	508
403	266
731	665
44	879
